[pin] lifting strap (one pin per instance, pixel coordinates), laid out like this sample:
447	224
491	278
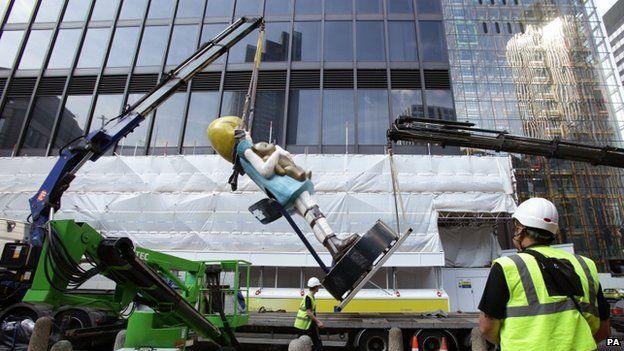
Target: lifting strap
250	97
248	109
396	192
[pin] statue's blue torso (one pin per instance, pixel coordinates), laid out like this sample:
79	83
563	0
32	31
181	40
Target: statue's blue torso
283	189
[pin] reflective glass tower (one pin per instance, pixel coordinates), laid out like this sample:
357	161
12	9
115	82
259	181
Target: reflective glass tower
542	69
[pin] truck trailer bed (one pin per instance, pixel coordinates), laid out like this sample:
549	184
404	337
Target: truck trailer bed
274	321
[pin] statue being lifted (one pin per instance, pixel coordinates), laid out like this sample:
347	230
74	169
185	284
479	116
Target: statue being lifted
274	171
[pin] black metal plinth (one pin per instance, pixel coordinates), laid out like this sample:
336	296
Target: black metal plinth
359	260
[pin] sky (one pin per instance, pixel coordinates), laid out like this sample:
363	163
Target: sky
603	5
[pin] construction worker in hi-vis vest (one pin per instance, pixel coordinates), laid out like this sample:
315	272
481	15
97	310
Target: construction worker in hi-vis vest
306	320
543	298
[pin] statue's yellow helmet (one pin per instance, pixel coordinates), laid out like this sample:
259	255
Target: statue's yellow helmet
221	135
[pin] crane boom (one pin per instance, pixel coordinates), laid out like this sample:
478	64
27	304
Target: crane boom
97	143
463	134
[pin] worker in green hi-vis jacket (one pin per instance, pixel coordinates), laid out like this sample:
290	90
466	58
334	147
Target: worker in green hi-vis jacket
306	320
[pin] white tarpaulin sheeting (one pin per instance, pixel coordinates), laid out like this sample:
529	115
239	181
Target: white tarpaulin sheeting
183	203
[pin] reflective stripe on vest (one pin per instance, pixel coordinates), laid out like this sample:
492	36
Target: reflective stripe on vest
536	308
535	320
303	321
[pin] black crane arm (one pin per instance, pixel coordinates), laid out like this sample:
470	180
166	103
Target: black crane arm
463	134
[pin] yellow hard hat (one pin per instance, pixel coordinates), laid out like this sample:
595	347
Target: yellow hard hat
221	135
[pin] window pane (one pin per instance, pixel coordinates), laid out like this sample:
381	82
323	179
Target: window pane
153	46
370	41
338	7
232	103
93	47
133	9
73	119
160	9
277	7
106	107
20	12
248	7
3	6
122	49
9	43
182	43
202	111
400	6
209	31
368	6
307	7
429	6
440	104
269	116
34	53
373	121
219	8
407	103
49	10
190	8
244	50
403	43
307	41
168	124
338	117
104	10
11	123
40	125
76	10
64	48
338	41
276	41
433	45
304	111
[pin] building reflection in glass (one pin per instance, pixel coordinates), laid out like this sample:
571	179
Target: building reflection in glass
534	69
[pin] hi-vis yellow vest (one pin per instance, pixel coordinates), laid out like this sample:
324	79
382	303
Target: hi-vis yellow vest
537	321
303	321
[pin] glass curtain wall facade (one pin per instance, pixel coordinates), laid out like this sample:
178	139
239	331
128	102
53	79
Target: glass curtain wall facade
334	72
614	24
542	69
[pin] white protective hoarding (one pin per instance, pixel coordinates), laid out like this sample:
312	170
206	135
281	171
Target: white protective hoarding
183	204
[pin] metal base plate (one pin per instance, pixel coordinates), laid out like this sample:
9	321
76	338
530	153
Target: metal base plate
361	262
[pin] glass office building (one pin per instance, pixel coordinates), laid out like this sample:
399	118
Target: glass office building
333	72
334	75
542	69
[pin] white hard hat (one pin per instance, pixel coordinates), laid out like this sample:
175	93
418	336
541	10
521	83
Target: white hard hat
313	282
538	213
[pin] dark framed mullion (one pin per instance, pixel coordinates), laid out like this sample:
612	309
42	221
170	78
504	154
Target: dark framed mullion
189	89
5	15
225	65
288	71
388	72
419	49
59	111
33	96
163	67
124	100
448	58
16	61
100	73
356	98
322	78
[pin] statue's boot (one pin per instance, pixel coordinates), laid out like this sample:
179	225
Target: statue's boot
338	247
